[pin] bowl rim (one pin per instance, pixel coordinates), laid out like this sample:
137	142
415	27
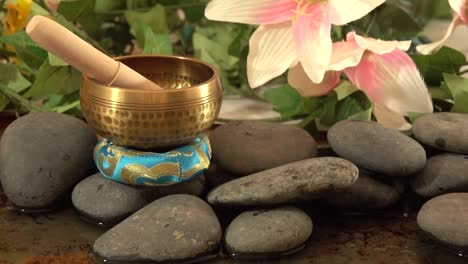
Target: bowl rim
214	75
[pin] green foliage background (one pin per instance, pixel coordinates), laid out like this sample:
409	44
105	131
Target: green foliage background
42	82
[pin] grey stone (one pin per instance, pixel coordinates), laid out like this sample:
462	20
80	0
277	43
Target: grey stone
108	201
445	218
42	156
374	147
248	147
365	193
174	228
444	173
301	180
268	231
445	131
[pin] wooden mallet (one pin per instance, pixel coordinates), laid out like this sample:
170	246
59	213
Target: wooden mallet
78	53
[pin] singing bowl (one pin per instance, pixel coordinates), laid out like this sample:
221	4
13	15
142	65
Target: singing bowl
155	119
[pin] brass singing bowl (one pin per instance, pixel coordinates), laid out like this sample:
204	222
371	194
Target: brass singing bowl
159	119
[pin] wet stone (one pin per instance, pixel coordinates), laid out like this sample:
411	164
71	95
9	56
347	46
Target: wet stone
382	150
42	156
444	173
444	131
107	202
301	180
445	219
365	193
248	147
175	228
267	232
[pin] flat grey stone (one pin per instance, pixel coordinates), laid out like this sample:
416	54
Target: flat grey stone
445	131
371	146
109	201
301	180
445	173
268	231
365	193
445	218
174	228
42	156
248	147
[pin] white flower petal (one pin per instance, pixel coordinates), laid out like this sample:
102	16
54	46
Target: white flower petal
345	55
429	48
299	80
251	11
272	52
390	118
392	80
377	45
313	41
345	11
461	8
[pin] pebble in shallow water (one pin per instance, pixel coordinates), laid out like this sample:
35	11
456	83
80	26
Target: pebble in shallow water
174	228
42	156
376	148
365	193
445	218
248	147
301	180
444	173
445	131
106	201
266	232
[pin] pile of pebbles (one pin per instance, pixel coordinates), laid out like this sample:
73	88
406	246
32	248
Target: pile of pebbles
264	173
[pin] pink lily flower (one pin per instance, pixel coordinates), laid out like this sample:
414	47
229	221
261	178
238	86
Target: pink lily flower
381	69
290	31
460	7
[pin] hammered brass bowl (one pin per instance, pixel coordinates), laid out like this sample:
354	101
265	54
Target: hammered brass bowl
153	120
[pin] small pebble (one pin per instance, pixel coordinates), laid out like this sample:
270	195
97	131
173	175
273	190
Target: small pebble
248	147
301	180
175	228
268	231
379	149
444	131
445	218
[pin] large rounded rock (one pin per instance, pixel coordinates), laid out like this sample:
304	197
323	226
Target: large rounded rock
301	180
174	228
268	231
42	156
445	218
445	131
365	193
248	147
107	201
376	148
444	173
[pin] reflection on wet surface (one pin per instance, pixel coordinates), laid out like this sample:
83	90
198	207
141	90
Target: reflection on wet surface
386	237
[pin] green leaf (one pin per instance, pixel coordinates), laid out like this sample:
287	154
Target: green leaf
356	106
446	60
12	78
109	5
4	101
344	89
82	12
54	80
442	92
66	107
26	49
56	61
155	19
286	100
157	43
459	88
